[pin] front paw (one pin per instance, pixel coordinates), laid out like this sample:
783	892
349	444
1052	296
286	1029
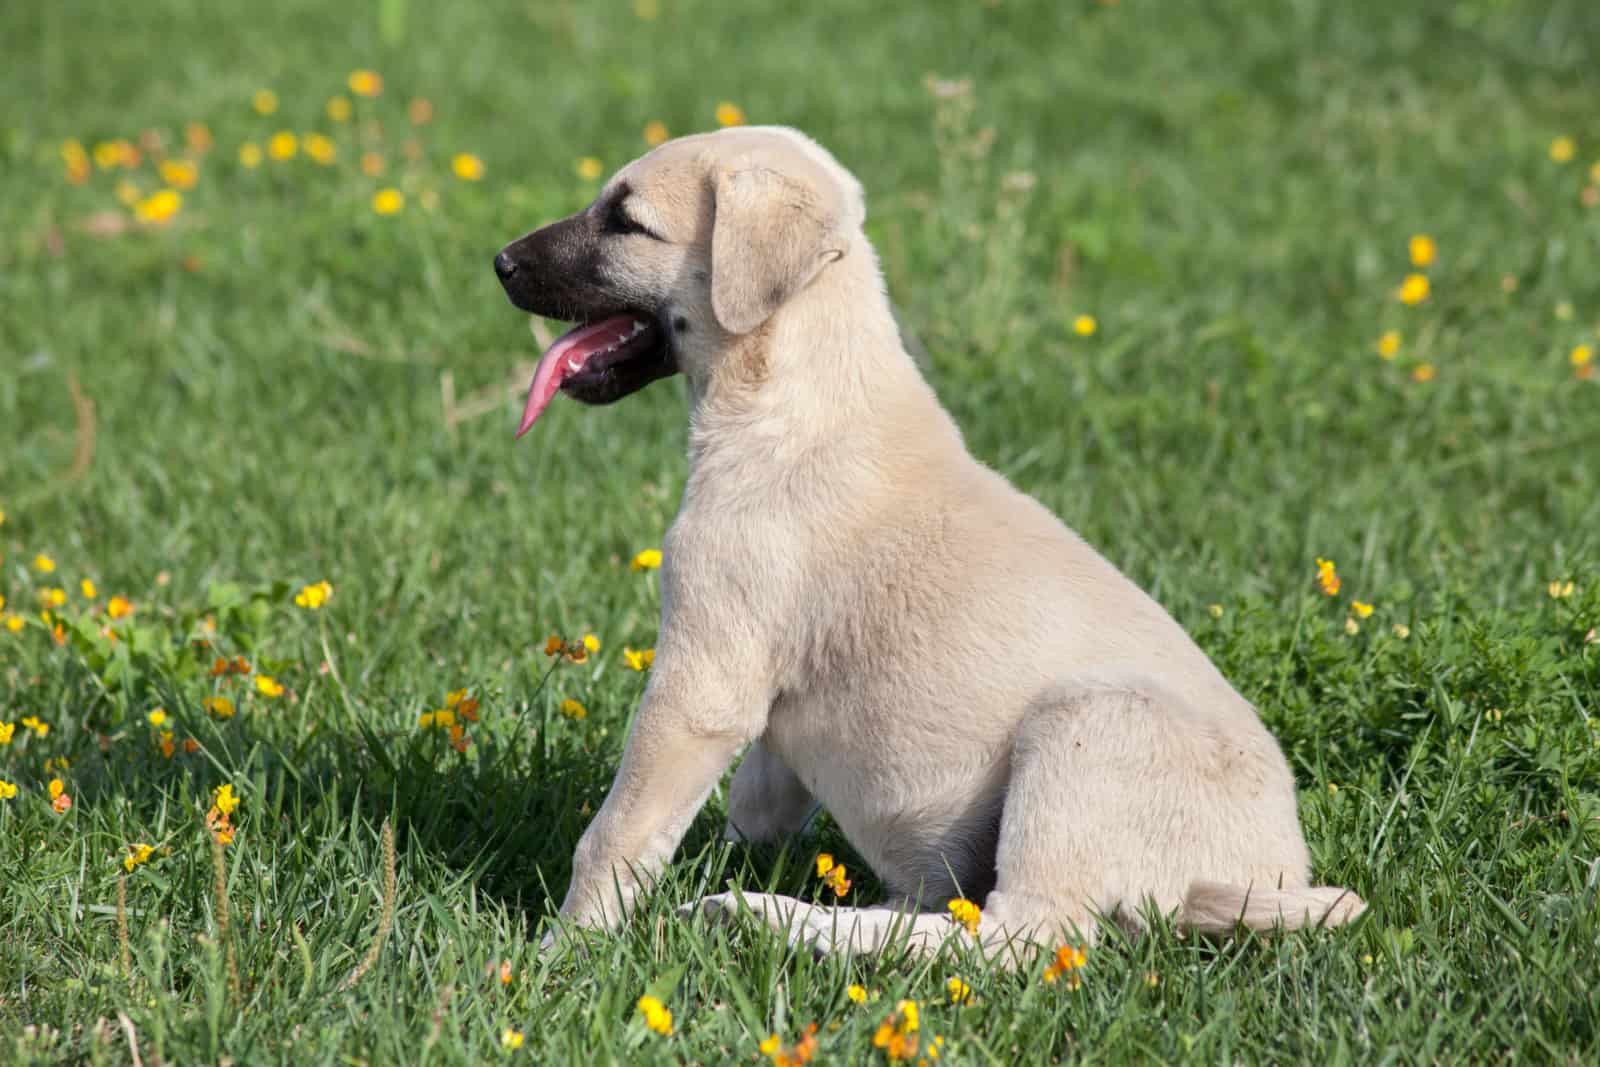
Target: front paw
802	925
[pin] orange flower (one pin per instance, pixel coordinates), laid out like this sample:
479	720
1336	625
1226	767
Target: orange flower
832	875
119	607
1069	960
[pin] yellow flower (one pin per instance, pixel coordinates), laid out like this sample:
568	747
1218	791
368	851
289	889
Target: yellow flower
647	560
1558	590
1423	250
1069	960
1215	611
7	789
165	743
6	730
591	643
157	717
857	994
224	799
1362	610
425	720
312	597
158	207
655	132
1389	344
573	710
119	606
268	686
179	173
467	167
57	787
137	853
1351	627
960	992
1580	356
770	1045
265	102
1152	979
221	707
128	193
590	168
1413	290
388	201
656	1015
639	661
86	587
14	622
729	114
338	108
966	913
511	1039
43	563
1423	372
832	874
1327	577
283	145
53	596
76	160
1333	787
249	155
1401	630
321	148
39	728
1562	149
1085	325
365	82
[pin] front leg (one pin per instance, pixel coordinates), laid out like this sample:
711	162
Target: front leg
766	800
694	717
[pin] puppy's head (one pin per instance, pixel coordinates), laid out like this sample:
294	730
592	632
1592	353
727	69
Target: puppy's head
685	250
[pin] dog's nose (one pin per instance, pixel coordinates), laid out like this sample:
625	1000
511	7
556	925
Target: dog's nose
504	266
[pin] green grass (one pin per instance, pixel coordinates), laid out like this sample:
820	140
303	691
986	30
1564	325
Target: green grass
1228	190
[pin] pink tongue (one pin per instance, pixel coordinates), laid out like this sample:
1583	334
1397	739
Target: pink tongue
566	357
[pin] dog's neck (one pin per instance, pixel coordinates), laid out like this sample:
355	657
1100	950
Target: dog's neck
827	370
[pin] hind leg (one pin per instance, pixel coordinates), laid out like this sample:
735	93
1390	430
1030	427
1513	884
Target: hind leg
766	800
1125	794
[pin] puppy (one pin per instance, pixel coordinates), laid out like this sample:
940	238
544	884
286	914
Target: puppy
884	626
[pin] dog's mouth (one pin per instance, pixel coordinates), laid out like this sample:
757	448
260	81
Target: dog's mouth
599	362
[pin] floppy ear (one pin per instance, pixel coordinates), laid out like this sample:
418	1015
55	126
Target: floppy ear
772	234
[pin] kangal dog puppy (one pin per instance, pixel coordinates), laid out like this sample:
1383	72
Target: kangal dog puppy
885	627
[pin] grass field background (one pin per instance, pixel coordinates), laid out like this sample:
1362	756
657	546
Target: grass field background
278	386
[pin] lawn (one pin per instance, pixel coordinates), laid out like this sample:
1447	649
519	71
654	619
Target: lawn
1158	258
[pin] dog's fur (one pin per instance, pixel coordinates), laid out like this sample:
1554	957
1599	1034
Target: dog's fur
987	707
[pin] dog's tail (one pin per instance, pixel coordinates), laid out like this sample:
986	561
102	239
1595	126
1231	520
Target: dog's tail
1219	909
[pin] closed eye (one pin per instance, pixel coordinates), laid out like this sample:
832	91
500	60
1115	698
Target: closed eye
618	221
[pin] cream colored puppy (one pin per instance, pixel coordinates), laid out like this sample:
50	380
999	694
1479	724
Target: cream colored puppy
886	627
